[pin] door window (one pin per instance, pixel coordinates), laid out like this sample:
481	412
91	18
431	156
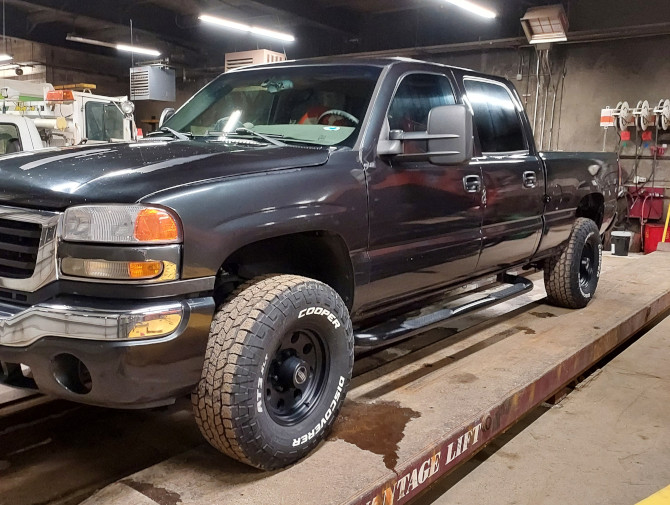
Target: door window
496	117
416	95
9	138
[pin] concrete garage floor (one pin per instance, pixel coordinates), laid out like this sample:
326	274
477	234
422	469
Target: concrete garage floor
607	442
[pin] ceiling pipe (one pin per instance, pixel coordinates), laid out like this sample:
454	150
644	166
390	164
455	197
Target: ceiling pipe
581	37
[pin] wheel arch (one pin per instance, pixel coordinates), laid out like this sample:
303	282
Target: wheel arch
592	206
320	255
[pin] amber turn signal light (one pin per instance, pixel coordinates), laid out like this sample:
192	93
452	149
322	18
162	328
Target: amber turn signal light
155	225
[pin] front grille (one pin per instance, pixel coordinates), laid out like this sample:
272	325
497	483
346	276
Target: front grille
19	244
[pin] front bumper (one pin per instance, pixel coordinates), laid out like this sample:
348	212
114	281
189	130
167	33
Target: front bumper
71	348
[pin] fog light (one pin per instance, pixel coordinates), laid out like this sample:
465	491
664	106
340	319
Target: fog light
118	270
144	269
155	325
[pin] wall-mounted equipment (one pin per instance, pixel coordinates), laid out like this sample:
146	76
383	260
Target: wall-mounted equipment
662	113
153	82
256	57
547	24
644	116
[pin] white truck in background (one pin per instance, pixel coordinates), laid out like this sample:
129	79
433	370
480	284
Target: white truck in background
17	134
63	117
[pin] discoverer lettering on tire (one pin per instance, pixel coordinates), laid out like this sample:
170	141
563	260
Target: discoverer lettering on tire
326	417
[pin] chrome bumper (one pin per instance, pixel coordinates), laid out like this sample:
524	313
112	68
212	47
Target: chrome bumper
21	326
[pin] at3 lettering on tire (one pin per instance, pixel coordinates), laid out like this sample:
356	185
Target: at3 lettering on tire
276	371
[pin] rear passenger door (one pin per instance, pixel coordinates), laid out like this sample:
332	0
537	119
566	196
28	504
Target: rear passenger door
513	177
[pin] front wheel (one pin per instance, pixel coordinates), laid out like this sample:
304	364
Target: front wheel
276	371
571	277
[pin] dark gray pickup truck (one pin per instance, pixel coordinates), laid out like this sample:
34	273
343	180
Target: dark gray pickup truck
285	215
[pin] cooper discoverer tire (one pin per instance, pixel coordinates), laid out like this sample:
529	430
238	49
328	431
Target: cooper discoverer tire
571	277
276	371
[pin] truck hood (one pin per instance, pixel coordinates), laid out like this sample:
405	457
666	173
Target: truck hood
124	173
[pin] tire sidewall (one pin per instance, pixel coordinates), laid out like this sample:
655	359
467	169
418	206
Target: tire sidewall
586	235
331	321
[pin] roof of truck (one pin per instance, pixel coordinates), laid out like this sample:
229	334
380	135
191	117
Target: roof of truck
350	60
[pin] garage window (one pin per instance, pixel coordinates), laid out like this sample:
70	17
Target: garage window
104	121
9	138
496	117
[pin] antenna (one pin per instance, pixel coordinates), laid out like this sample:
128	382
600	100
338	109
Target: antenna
132	52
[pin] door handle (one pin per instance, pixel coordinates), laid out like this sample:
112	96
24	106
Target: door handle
529	179
472	183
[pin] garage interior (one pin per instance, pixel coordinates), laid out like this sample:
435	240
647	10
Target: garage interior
528	403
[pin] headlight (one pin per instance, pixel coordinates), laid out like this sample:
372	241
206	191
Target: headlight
127	107
121	224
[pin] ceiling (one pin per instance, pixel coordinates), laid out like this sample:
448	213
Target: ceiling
321	27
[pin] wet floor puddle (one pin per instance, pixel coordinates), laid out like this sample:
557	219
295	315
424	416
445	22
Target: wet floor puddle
158	494
375	427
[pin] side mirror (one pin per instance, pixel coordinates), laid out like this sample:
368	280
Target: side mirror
167	113
450	137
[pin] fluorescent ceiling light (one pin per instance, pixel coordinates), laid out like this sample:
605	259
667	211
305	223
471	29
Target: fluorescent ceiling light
5	57
137	49
256	30
93	42
474	8
120	47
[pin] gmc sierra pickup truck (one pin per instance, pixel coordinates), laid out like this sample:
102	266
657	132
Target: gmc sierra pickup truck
283	216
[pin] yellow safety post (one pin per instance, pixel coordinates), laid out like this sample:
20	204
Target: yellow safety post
667	220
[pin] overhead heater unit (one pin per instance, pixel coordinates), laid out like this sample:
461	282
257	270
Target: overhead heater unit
256	57
152	82
544	25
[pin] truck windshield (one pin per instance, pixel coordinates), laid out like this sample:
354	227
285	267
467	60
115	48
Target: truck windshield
316	104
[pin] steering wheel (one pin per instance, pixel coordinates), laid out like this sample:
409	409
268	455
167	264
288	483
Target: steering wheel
338	112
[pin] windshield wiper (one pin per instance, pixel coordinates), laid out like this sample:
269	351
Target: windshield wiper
253	133
174	133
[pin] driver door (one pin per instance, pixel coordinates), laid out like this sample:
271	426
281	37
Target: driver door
425	219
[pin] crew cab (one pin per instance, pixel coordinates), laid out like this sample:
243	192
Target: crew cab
284	216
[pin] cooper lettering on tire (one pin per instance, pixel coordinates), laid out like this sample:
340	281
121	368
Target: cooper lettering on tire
276	371
571	277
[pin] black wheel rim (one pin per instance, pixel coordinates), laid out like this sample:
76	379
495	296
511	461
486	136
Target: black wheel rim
296	376
587	267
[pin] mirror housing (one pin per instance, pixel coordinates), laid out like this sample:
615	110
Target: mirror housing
167	113
449	137
454	122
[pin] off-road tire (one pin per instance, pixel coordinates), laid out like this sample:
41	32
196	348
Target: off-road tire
230	403
565	275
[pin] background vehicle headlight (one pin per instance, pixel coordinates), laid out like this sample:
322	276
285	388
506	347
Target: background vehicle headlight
121	224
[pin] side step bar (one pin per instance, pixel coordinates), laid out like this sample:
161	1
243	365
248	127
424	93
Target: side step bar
405	326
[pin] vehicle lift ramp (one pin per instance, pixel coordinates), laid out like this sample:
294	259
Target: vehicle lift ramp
412	420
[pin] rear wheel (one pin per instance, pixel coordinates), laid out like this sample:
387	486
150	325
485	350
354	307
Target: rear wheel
571	277
277	368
